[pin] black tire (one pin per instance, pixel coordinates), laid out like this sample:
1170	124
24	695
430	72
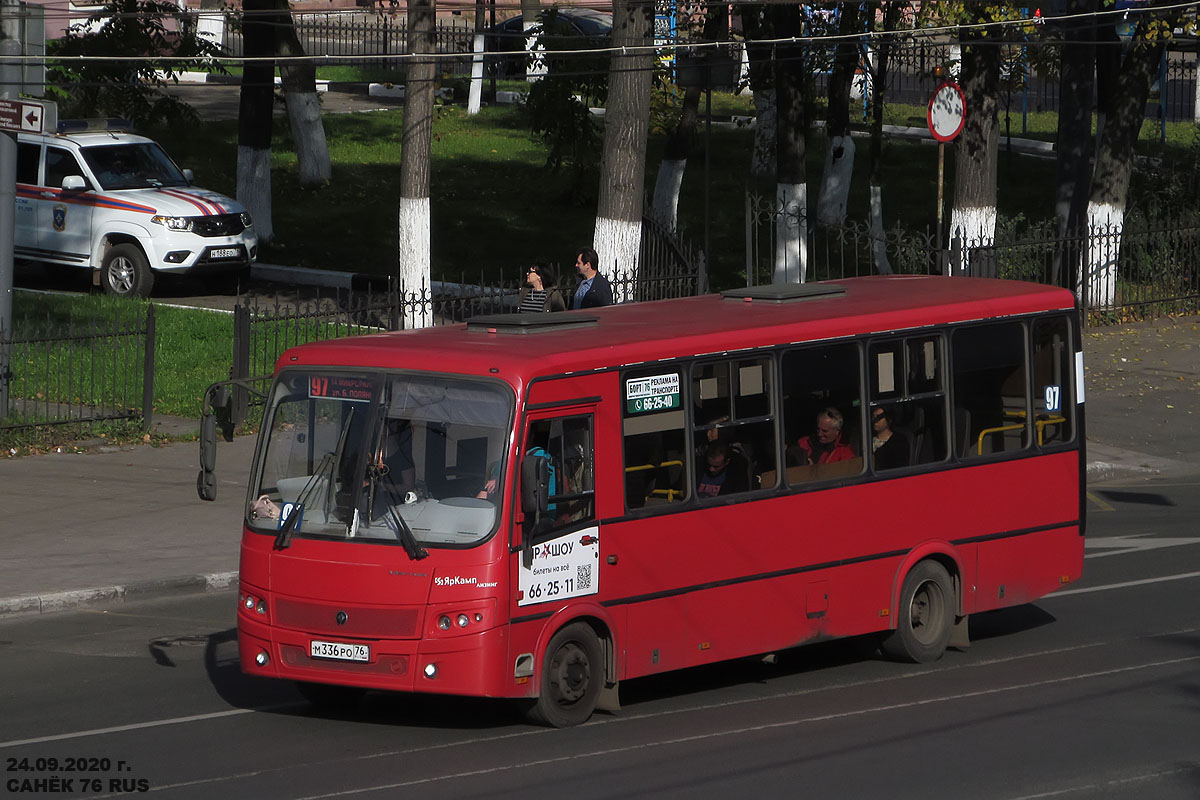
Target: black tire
925	617
572	677
126	272
327	697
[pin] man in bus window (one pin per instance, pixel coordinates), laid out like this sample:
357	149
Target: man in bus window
723	472
825	445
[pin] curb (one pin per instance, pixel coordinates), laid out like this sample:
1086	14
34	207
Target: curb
142	590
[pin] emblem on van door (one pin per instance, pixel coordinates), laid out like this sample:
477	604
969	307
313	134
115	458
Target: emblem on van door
60	218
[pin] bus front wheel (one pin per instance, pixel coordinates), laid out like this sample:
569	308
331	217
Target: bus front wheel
925	616
572	678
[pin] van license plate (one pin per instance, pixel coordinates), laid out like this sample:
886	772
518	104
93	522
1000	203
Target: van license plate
339	651
225	252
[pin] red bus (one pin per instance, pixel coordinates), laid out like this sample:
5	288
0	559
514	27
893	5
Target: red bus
542	506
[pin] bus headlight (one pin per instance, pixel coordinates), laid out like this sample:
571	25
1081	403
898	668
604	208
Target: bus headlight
444	622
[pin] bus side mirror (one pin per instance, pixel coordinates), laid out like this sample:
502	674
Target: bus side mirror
206	482
535	484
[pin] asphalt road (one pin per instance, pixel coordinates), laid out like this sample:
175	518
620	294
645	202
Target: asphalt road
1089	693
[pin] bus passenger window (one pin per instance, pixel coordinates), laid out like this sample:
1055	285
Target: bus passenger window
908	402
822	413
654	437
1053	381
567	443
734	435
990	410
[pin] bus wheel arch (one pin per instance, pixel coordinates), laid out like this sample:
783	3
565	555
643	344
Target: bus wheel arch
926	612
576	675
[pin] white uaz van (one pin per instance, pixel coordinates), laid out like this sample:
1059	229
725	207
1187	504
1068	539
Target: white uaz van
95	195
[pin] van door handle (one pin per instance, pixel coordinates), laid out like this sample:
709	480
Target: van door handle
49	195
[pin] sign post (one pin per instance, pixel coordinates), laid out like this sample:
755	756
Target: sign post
946	116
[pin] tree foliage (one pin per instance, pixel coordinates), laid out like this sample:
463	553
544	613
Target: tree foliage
558	106
145	40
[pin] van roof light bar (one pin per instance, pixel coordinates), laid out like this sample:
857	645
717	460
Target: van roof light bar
107	124
784	292
529	323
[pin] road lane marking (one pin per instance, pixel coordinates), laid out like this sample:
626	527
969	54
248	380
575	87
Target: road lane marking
1125	585
134	726
1119	545
757	728
1103	506
1092	789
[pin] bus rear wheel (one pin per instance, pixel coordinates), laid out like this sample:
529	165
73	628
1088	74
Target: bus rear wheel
925	617
572	678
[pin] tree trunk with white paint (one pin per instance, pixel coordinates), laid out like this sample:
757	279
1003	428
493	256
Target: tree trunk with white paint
839	160
413	265
617	239
535	67
255	108
1073	143
791	234
299	80
1097	286
973	219
665	206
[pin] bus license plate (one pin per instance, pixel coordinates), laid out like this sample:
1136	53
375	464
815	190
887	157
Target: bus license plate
225	252
339	651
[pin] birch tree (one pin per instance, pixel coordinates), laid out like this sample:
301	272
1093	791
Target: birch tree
756	26
413	267
255	108
618	233
299	79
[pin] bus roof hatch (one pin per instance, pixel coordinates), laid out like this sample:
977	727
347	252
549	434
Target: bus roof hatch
784	292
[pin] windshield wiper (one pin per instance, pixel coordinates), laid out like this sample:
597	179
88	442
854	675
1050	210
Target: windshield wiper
324	470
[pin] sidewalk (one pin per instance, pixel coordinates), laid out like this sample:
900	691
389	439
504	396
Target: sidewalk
99	527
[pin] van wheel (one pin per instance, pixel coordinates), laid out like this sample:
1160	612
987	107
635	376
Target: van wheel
126	272
572	678
925	618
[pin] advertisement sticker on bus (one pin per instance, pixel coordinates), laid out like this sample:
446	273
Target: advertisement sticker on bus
563	567
652	393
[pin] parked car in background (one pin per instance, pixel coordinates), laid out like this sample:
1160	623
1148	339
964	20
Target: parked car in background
96	196
557	28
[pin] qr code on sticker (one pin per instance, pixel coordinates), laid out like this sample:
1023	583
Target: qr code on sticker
583	580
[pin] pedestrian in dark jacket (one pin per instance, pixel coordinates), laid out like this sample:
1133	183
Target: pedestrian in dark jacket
594	290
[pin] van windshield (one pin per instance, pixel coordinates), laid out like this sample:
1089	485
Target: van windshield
141	165
365	456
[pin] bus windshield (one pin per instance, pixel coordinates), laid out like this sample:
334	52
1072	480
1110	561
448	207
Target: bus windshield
381	457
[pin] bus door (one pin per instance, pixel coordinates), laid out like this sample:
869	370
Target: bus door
557	530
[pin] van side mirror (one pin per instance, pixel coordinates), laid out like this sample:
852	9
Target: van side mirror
188	176
74	183
535	484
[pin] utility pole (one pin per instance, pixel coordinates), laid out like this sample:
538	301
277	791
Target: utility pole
10	89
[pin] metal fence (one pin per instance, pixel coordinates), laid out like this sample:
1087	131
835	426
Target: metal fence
85	371
1134	271
361	38
668	268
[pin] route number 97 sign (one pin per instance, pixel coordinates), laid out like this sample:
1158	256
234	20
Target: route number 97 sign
947	112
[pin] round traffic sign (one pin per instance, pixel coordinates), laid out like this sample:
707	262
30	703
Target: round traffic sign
947	112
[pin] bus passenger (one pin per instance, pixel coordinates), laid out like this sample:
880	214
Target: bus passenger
724	472
825	446
890	446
